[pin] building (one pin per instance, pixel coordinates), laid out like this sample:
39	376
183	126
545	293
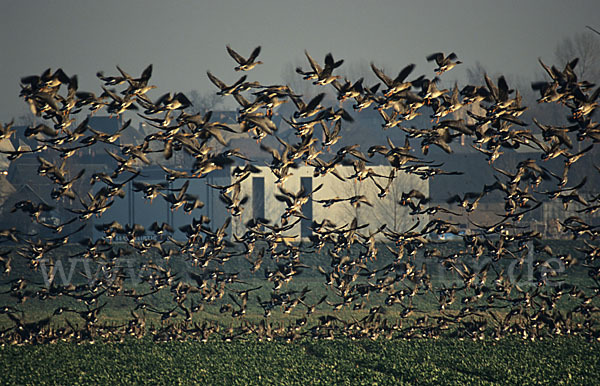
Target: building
262	191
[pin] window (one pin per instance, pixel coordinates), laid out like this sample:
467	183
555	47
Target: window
305	224
258	197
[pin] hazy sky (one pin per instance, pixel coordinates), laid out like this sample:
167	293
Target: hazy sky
183	39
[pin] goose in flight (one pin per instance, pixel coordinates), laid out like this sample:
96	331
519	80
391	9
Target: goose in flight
444	63
245	64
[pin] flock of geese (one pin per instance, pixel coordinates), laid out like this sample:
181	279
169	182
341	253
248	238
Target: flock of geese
484	299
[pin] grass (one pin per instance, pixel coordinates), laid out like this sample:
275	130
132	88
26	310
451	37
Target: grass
118	308
449	359
564	360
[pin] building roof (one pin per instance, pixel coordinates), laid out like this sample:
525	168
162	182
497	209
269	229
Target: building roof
477	173
6	189
5	145
106	124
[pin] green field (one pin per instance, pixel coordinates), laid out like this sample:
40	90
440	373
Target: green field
38	301
366	341
554	361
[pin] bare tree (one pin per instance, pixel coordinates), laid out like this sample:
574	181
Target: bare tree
586	47
389	210
353	71
357	190
294	80
544	111
204	102
475	73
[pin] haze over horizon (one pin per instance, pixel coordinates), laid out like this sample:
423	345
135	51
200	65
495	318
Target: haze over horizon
185	40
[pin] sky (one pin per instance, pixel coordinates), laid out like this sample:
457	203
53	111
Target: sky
184	39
